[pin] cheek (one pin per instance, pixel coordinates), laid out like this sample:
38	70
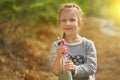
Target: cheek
79	23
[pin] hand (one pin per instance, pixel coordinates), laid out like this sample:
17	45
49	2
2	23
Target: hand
61	48
68	65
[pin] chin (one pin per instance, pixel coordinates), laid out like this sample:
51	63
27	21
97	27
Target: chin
69	33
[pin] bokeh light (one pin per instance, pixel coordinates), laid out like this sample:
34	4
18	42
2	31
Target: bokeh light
115	10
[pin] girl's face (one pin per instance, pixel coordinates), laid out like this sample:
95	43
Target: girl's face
69	21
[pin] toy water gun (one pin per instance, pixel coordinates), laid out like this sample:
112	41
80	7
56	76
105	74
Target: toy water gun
64	44
66	75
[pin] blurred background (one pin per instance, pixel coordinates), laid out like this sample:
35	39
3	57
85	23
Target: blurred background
29	27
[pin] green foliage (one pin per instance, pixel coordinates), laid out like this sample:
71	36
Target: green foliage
43	10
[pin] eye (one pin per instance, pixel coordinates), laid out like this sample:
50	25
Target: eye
72	20
63	20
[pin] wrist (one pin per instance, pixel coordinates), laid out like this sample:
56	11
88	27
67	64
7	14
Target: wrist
58	56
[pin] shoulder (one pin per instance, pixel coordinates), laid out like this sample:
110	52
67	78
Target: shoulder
88	42
89	45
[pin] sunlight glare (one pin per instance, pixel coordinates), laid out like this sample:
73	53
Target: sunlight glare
115	10
119	9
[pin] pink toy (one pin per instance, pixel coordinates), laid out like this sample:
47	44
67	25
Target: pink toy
64	43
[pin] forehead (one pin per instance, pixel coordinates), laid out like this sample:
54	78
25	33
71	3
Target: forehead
69	12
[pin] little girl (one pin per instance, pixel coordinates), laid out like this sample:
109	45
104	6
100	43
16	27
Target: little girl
81	58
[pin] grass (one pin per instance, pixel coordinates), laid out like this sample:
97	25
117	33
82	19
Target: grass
28	57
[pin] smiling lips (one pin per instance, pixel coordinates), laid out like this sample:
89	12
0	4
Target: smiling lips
67	28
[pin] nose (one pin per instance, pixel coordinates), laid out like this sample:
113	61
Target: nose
67	22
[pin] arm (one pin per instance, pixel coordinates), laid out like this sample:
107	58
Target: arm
56	58
57	65
89	67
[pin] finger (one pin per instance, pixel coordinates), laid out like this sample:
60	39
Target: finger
63	47
69	67
72	68
66	67
68	61
68	64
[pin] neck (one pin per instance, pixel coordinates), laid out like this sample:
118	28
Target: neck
72	38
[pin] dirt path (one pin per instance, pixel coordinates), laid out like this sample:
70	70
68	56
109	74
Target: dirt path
108	27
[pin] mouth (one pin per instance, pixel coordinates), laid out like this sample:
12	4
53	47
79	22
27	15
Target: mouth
68	28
